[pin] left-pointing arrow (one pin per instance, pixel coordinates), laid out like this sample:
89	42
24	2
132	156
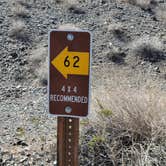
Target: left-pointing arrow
77	63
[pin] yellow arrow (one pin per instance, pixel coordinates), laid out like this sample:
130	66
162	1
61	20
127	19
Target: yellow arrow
74	63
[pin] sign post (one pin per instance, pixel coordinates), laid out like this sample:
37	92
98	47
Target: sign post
69	80
68	140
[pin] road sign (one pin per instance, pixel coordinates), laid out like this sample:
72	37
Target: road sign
69	73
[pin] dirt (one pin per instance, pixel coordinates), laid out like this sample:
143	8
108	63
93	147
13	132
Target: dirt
28	132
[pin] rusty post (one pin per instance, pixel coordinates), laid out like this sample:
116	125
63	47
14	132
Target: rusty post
68	140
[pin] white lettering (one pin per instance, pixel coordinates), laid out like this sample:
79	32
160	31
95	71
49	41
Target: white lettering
67	98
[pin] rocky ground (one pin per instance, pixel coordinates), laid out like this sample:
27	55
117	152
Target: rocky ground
129	41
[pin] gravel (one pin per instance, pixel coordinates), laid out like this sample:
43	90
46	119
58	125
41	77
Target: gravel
27	130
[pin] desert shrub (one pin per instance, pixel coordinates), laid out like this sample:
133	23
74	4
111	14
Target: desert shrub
161	13
144	4
119	31
19	31
116	55
43	73
39	63
149	49
19	10
24	3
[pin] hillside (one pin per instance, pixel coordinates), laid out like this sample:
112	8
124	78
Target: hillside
127	122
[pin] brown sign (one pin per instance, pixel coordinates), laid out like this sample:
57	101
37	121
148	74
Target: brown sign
69	72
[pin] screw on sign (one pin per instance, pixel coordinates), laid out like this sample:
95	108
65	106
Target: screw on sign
69	79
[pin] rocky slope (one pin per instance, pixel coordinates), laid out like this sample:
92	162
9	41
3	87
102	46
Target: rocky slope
127	37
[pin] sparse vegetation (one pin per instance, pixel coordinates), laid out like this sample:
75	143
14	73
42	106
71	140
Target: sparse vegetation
149	49
126	125
19	10
43	73
161	13
134	132
20	131
38	57
35	121
19	31
144	4
119	31
116	55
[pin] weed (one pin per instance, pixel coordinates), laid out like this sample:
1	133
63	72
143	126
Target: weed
105	113
20	131
95	140
35	121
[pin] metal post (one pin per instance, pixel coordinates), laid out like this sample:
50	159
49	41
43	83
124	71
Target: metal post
68	140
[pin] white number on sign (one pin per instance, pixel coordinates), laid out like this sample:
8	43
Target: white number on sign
63	89
75	89
69	89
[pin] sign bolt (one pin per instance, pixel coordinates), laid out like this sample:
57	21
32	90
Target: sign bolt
68	109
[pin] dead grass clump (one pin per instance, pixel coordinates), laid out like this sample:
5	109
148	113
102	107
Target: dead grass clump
43	73
127	123
119	31
144	4
39	63
149	49
115	27
19	31
116	55
161	13
132	133
19	10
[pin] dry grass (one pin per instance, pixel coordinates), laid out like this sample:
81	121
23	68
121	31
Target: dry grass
18	30
119	31
42	72
39	63
127	126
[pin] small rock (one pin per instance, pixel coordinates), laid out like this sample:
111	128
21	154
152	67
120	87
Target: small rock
110	44
24	159
132	27
157	69
142	63
76	10
20	142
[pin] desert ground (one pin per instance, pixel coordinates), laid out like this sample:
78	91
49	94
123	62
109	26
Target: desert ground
127	121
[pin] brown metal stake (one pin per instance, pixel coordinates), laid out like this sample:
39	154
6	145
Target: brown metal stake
68	140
